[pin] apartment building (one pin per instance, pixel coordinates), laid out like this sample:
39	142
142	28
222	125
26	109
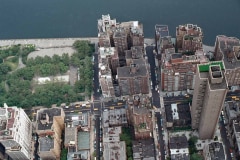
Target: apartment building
210	90
179	70
134	79
214	151
112	121
140	117
227	49
143	150
15	133
136	52
109	56
162	39
135	33
115	117
50	125
178	146
120	39
178	115
120	35
105	72
188	38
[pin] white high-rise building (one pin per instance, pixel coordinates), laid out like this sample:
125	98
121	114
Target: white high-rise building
15	132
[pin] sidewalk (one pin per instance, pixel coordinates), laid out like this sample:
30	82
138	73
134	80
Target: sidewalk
92	136
155	136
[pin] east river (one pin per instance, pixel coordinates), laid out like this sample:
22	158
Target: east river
22	19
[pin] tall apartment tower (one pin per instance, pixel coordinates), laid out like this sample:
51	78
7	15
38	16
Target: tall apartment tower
209	94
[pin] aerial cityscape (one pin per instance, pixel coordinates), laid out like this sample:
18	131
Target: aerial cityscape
121	96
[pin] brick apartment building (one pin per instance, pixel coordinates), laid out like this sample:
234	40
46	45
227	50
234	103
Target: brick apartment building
162	39
50	125
188	38
179	70
120	35
227	49
141	119
134	79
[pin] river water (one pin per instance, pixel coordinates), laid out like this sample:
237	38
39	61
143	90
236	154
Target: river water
78	18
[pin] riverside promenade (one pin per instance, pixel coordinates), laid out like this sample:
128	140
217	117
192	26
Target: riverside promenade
54	42
51	46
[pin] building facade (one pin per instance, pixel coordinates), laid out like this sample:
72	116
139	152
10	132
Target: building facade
15	132
50	125
179	70
188	38
134	79
209	94
227	49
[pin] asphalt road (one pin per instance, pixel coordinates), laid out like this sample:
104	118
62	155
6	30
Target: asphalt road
97	131
155	97
225	139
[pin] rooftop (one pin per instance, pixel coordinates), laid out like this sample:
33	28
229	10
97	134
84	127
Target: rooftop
45	117
136	52
216	151
111	134
115	150
83	155
144	149
46	143
205	67
83	141
232	109
176	55
138	68
178	142
162	30
114	117
226	46
214	86
179	114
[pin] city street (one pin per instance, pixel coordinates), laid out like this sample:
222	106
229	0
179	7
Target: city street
225	139
155	98
97	134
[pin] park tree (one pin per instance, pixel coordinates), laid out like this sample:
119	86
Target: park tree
196	156
4	68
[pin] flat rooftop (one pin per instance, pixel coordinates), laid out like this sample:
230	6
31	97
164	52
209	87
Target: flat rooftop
179	114
226	45
178	142
204	74
126	71
115	150
111	134
83	140
214	86
45	143
216	151
143	149
114	117
47	115
162	30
